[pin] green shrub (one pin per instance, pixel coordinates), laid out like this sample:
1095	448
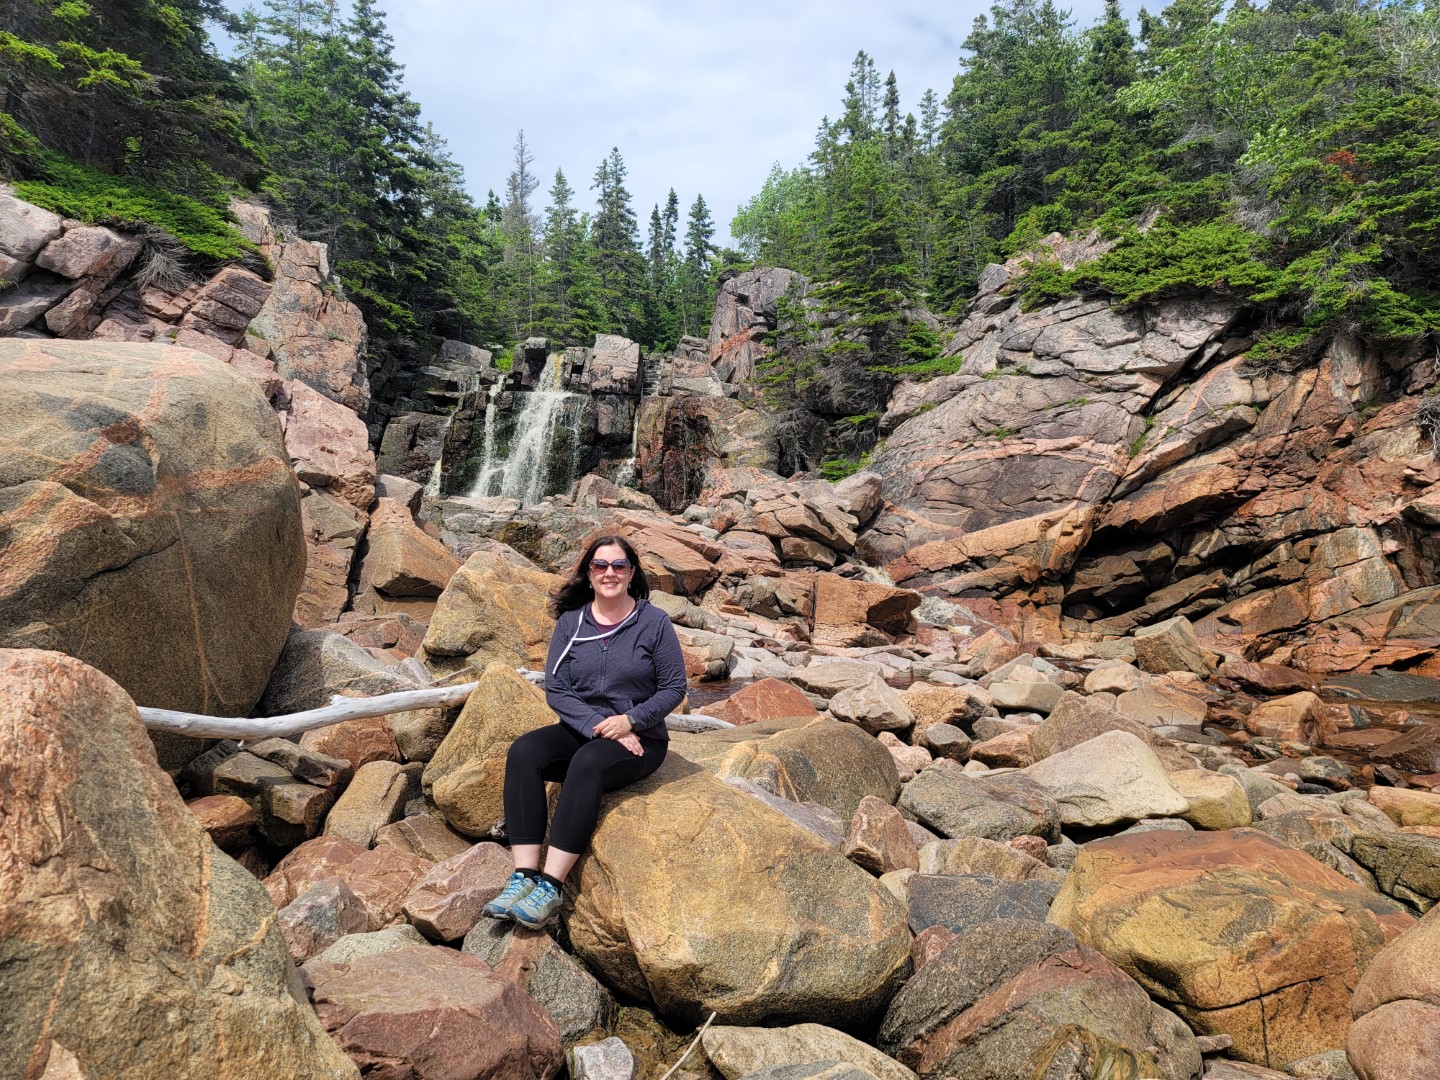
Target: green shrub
1169	259
926	370
77	191
835	469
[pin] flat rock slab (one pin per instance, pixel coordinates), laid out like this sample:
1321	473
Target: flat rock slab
1112	778
766	699
819	760
953	804
744	1051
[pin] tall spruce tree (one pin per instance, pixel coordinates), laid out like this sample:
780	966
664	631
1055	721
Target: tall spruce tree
615	243
568	305
128	88
695	290
519	224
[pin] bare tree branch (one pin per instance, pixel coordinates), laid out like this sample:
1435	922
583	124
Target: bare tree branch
340	708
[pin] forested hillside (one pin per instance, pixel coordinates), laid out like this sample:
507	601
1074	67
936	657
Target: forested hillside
1287	154
126	113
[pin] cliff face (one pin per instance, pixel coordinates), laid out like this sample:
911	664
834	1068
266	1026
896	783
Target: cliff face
1090	471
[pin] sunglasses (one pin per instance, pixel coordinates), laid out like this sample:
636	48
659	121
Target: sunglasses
599	566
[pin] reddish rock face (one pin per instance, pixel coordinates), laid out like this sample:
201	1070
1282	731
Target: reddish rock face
768	699
315	337
423	835
675	559
226	304
400	559
745	311
1398	1041
130	941
89	252
229	819
850	612
357	741
1234	931
430	1013
1268	678
879	840
330	446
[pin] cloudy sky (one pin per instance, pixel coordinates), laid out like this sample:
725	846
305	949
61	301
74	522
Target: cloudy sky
701	97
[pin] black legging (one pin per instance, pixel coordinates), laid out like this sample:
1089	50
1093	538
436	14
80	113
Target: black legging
587	769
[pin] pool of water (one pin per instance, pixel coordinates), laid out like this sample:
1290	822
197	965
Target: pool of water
1382	692
707	693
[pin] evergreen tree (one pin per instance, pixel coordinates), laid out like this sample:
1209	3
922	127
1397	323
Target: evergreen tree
662	282
875	281
697	299
619	265
862	99
670	221
127	88
890	124
519	224
929	120
568	296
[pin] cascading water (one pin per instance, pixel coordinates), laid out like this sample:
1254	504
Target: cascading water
625	472
544	447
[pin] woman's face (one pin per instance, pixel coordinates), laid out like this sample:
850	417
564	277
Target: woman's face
610	583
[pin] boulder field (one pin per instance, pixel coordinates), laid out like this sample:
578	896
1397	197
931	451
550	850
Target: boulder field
1129	896
1026	765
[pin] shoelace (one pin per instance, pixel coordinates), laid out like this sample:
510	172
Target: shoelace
543	892
516	883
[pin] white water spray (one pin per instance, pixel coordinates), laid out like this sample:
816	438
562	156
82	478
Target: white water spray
545	446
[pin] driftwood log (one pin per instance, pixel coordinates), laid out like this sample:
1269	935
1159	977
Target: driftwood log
343	708
340	708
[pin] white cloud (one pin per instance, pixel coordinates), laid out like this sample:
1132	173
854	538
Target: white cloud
698	96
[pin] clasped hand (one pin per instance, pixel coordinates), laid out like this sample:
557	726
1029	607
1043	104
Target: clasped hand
618	728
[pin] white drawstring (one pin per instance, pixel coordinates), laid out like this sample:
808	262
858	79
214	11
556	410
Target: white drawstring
592	637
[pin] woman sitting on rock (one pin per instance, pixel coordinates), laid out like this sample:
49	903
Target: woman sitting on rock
614	673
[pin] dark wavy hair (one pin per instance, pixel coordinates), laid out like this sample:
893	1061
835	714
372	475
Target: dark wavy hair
576	591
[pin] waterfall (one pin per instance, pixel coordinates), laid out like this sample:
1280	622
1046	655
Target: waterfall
432	485
544	447
491	468
625	472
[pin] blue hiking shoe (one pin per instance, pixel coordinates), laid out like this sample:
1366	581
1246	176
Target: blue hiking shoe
538	907
503	905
